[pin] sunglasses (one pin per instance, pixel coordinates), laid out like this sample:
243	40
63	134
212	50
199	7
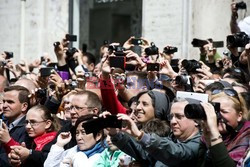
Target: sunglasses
227	91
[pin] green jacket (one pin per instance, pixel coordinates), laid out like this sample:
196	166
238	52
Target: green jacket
109	158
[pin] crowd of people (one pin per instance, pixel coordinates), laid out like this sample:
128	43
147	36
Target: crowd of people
129	108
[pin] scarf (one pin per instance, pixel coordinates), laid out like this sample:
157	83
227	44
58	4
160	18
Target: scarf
41	141
237	142
98	148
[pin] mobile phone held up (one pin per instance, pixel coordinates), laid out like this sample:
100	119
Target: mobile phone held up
46	71
97	124
137	41
153	67
71	38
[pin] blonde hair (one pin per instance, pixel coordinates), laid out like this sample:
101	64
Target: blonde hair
239	103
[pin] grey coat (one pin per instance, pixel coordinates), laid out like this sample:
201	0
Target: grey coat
153	150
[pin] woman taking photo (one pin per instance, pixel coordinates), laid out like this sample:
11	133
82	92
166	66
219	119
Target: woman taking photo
225	140
87	151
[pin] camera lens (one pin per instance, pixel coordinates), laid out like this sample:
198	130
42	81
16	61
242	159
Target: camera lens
181	80
195	111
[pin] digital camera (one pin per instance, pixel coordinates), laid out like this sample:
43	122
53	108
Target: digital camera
239	39
196	111
152	50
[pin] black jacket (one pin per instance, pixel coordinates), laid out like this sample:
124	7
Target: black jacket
19	134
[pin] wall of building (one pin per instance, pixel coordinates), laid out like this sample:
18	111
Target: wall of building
163	21
178	22
46	21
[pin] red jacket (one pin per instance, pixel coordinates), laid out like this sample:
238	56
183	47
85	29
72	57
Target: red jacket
109	98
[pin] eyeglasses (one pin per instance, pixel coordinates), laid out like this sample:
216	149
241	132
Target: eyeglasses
177	116
79	108
33	123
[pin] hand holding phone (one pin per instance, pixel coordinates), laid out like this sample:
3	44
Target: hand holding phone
153	67
136	41
46	71
71	38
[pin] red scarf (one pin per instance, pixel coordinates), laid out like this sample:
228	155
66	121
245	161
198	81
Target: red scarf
41	141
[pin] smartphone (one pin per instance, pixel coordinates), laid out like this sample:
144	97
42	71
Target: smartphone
9	55
95	125
153	67
91	126
137	41
111	121
46	71
71	38
117	62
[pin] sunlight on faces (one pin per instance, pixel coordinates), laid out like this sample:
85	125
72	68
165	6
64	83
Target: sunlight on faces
180	125
228	112
12	108
145	109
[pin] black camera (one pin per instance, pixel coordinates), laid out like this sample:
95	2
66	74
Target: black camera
56	44
170	50
9	55
182	79
152	50
198	42
70	52
117	50
196	111
241	5
191	65
41	93
95	125
240	39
